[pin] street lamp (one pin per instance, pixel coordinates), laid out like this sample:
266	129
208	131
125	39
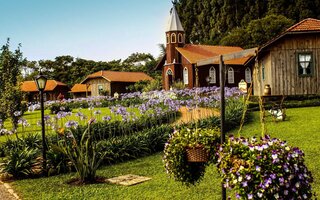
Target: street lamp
41	82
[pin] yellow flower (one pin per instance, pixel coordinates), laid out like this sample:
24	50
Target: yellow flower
60	131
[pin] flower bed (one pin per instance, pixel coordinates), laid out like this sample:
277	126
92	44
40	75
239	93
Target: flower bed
264	169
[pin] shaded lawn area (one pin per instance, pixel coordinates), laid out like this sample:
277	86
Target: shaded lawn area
301	129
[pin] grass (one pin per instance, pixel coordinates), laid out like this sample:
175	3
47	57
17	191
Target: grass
300	129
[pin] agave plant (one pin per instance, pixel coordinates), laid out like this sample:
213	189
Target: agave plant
85	155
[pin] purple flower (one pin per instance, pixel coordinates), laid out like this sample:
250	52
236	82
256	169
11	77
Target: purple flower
258	168
106	118
71	124
250	196
244	184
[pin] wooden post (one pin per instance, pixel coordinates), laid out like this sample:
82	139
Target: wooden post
222	113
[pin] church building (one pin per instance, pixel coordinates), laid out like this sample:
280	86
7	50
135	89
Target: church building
179	61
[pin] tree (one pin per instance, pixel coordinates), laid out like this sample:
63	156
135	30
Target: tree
217	21
257	32
10	93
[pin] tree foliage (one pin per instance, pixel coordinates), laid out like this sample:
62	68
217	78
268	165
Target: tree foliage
10	73
70	70
213	21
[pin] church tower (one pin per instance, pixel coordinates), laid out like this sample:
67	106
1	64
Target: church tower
174	38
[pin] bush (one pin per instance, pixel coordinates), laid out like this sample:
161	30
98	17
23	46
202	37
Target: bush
233	115
29	140
19	162
109	129
57	107
57	162
136	145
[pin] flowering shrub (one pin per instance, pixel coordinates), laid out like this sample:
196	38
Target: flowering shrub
265	169
175	158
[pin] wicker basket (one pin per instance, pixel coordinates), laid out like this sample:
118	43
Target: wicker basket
197	154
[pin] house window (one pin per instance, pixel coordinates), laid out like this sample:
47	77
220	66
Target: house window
173	38
212	75
169	72
185	76
248	75
305	64
100	89
180	37
230	75
167	38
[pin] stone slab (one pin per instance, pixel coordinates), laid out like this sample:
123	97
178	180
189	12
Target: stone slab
128	179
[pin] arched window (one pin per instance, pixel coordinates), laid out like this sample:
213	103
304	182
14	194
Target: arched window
185	76
180	38
230	75
173	38
169	72
248	75
168	39
212	75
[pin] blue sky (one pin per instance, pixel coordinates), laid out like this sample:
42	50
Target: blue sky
90	29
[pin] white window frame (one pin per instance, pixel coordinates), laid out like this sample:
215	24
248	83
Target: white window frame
212	75
305	62
185	76
230	75
247	75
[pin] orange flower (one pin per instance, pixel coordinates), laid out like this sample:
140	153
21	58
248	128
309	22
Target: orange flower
60	131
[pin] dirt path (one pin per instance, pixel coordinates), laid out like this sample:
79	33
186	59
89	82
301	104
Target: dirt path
195	114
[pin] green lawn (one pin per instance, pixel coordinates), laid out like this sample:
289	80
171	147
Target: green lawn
300	129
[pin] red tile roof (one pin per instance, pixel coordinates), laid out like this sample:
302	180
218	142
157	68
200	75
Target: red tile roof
30	86
80	88
195	53
114	76
308	24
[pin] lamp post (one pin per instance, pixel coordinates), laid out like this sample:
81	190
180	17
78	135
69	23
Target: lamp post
41	82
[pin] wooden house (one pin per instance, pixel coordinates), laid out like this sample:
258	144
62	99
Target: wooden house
51	92
109	82
179	61
81	90
290	63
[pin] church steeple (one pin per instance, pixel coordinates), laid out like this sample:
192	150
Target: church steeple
174	36
174	21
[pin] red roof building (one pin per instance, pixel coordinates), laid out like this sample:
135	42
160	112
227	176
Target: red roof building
179	62
107	82
51	92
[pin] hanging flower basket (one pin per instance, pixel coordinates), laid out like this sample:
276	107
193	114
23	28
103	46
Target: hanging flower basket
197	154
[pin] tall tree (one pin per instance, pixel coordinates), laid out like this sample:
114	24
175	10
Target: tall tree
10	93
212	21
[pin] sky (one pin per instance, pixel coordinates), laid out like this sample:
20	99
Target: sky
100	30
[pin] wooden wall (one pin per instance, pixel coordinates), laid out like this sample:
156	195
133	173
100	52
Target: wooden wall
94	85
282	65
